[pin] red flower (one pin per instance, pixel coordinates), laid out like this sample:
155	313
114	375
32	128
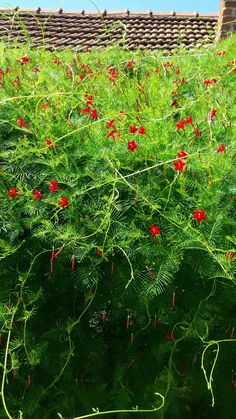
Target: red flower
36	70
21	123
221	148
132	145
12	192
25	60
179	165
154	230
111	133
168	64
211	114
85	110
177	71
56	61
221	53
170	336
174	103
64	202
197	132
189	120
183	80
207	82
53	186
49	142
110	124
199	215
44	106
141	130
180	125
93	114
129	64
37	194
182	154
133	129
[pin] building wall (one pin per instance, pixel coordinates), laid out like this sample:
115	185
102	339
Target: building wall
227	17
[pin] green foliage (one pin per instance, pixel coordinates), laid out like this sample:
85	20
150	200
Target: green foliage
113	296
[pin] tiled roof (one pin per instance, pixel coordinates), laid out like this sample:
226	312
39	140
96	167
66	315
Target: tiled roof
81	30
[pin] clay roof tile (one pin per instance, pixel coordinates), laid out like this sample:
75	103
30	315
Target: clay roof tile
145	30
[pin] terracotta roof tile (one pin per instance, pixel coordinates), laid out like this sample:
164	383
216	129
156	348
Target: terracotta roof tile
80	29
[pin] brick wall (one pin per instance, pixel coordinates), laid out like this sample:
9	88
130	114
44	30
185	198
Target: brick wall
227	17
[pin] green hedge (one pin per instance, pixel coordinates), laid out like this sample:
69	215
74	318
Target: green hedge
117	220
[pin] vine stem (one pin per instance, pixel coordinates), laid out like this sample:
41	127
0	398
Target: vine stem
136	410
217	350
130	264
5	366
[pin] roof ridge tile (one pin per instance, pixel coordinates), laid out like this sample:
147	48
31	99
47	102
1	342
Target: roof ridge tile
105	12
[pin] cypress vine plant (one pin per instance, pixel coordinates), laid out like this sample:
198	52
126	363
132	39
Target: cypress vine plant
117	219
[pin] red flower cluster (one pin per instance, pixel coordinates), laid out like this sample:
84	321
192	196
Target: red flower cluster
64	202
181	124
113	73
93	112
209	81
69	73
168	64
221	53
113	133
133	129
179	164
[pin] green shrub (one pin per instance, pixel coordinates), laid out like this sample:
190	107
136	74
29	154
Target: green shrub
117	220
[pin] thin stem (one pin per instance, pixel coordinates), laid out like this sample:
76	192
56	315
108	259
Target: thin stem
5	366
136	410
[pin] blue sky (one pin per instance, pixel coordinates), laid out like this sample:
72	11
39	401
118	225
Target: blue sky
202	6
